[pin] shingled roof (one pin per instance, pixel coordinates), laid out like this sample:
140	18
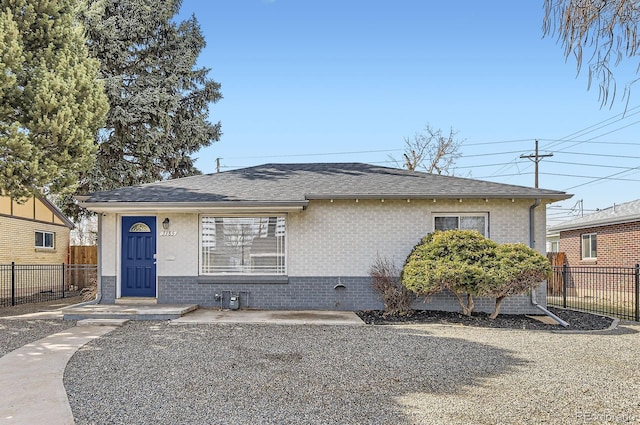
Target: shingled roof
617	214
273	184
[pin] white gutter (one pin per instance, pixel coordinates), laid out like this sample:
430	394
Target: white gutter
532	244
196	207
444	196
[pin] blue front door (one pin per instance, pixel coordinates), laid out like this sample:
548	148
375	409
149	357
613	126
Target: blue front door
138	257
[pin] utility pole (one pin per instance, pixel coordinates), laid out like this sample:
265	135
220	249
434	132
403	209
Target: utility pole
218	165
536	158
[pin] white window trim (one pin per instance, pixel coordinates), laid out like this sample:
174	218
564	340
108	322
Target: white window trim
582	237
286	244
53	239
465	214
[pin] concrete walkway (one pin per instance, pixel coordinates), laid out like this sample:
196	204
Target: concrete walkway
32	390
274	317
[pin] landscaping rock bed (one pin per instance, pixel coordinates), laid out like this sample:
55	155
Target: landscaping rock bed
577	320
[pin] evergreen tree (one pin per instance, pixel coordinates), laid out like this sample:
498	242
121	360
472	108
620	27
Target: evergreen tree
51	104
159	99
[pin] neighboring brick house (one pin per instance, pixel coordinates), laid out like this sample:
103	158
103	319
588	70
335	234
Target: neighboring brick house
33	232
297	236
609	237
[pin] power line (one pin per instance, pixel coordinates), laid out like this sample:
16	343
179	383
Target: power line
314	154
589	165
584	131
567	175
609	177
603	134
590	129
593	177
601	154
592	142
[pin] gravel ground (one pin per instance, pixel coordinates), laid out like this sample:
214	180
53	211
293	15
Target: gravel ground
16	333
38	307
154	373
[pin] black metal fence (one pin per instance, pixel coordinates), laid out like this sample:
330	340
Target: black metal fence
32	283
612	291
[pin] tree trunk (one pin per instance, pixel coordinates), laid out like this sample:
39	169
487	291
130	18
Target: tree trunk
496	310
470	304
466	306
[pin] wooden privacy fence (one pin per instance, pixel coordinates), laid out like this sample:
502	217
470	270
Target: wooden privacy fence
81	272
557	260
83	254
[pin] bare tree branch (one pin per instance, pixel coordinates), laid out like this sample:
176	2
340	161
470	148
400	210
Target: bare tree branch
430	151
606	29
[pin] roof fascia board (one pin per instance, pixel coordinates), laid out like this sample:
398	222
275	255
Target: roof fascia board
324	196
195	207
56	211
595	223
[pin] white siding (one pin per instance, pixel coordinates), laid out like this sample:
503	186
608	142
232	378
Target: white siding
178	254
108	244
342	238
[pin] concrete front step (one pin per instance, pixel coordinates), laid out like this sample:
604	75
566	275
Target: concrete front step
136	301
102	322
130	312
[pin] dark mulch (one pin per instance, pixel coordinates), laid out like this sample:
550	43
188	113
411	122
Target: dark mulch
577	320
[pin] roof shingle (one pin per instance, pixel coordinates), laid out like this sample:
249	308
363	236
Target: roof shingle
629	211
300	182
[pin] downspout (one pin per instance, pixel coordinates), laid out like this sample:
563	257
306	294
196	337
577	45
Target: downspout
532	244
99	268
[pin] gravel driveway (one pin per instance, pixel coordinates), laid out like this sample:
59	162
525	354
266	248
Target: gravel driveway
153	373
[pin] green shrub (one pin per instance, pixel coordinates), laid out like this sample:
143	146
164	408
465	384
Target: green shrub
456	260
516	269
468	264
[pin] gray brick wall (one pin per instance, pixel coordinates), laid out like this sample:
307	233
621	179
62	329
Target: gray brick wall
314	293
108	289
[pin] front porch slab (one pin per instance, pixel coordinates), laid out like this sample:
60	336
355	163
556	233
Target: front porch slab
131	312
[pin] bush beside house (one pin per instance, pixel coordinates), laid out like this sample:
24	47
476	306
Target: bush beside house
467	264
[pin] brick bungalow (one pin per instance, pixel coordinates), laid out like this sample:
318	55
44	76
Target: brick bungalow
609	237
296	236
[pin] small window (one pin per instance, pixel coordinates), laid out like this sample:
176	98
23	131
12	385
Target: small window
139	228
45	239
471	221
589	246
554	246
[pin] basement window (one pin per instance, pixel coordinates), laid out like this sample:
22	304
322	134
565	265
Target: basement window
45	239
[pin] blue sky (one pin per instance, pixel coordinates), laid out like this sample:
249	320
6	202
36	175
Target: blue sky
312	81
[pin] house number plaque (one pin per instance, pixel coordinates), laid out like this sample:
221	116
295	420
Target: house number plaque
168	233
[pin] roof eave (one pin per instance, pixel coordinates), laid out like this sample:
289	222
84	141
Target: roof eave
595	223
325	196
56	211
196	207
